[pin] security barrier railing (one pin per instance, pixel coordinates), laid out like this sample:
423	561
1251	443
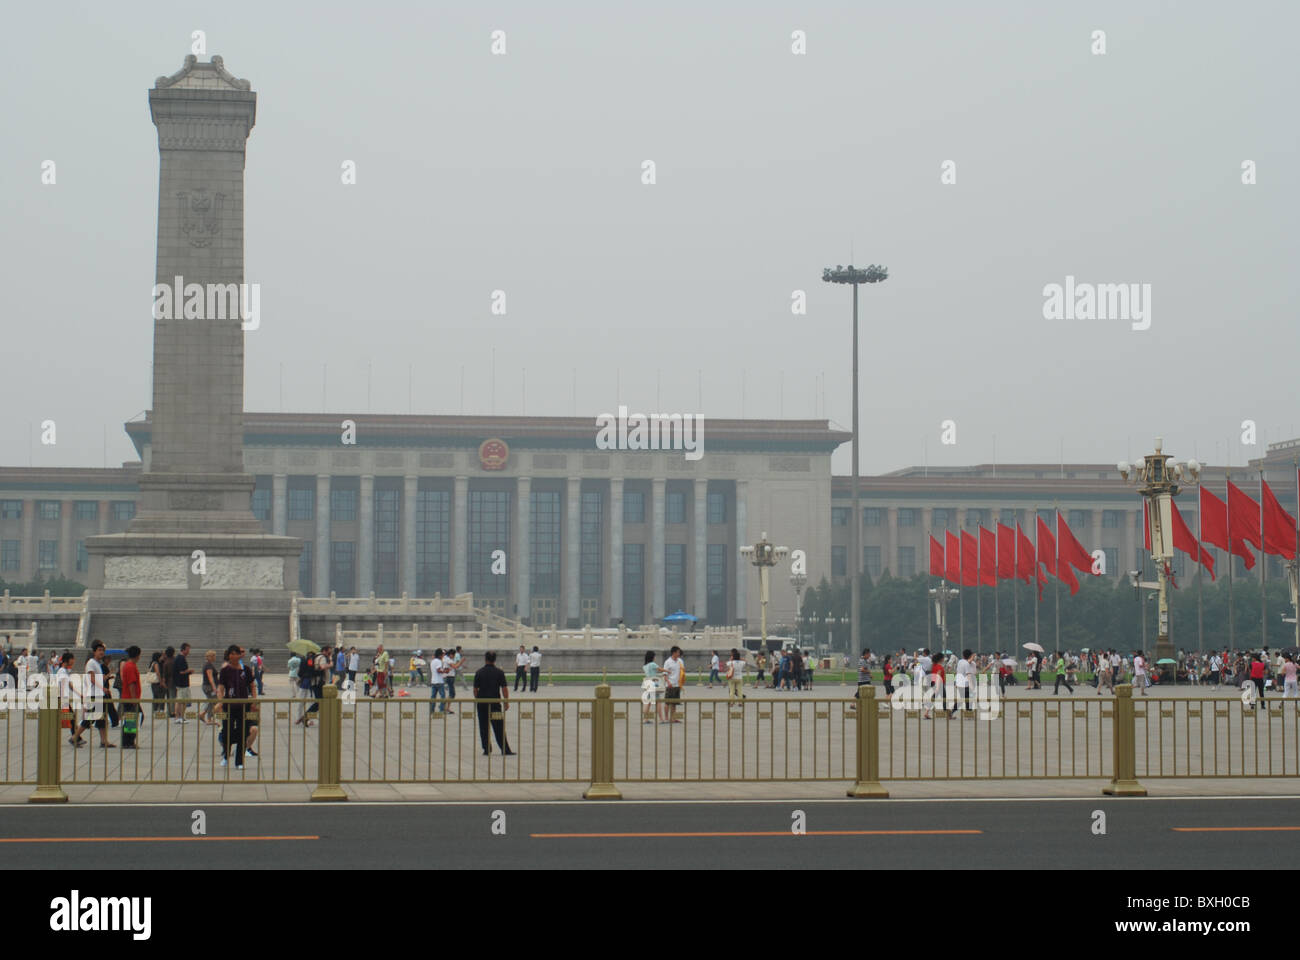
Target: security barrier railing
602	741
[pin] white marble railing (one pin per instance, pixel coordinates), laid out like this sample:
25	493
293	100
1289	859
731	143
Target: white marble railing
386	606
43	604
486	636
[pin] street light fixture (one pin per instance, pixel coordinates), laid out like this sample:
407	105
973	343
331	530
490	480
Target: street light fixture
1161	481
765	556
855	276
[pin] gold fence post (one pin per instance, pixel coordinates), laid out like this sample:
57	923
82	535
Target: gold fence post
329	763
602	748
868	732
1124	727
49	742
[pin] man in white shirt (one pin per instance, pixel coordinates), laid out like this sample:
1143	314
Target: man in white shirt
95	692
965	674
674	672
450	661
534	668
521	668
437	681
1216	669
1139	673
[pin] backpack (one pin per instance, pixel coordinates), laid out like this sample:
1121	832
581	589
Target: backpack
307	669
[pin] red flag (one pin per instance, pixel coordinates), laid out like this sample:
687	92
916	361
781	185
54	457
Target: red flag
988	558
1184	541
1046	547
1169	575
1278	526
1243	516
1006	553
936	558
1025	564
1146	525
1072	551
952	564
1214	528
970	561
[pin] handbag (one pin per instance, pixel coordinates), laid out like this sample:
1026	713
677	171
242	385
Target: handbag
129	725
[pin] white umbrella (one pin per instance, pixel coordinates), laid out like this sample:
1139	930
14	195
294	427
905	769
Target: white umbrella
1032	646
1010	662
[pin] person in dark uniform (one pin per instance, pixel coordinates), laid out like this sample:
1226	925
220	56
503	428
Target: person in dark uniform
490	684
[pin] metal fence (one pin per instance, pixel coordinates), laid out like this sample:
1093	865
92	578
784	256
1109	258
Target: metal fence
600	741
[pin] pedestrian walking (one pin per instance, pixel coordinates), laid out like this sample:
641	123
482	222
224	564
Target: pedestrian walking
130	697
1289	676
864	671
650	691
736	676
760	664
965	677
714	665
437	682
181	671
1061	676
1257	671
1140	672
210	680
97	691
490	685
232	690
886	672
674	672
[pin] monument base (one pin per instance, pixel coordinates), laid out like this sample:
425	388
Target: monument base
210	590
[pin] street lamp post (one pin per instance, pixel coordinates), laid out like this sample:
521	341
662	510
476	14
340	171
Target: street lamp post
798	581
855	276
765	556
941	595
1161	482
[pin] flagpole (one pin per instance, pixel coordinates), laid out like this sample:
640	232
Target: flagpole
1056	588
928	642
1263	568
1015	587
1232	627
1295	557
1200	574
1037	561
979	608
997	620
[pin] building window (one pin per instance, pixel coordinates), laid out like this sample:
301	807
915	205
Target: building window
87	510
1009	516
489	530
976	517
871	562
634	507
305	570
675	507
1110	519
839	516
633	584
717	507
388	507
432	542
942	518
906	517
83	558
906	561
11	509
302	503
123	509
1112	560
544	543
590	560
47	555
1049	518
343	568
1079	519
343	505
674	577
871	516
839	562
10	553
716	574
262	503
48	509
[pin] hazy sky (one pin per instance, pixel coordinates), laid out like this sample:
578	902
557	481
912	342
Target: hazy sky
523	173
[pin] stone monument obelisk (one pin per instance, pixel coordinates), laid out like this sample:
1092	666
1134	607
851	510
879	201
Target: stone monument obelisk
195	564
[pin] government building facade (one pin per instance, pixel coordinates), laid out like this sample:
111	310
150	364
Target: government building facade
542	526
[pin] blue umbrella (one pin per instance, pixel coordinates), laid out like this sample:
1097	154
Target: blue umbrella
680	617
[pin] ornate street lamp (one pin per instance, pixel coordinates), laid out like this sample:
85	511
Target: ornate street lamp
1161	481
855	276
941	595
798	581
765	556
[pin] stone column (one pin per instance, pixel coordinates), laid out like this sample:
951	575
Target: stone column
321	557
410	485
279	504
27	563
67	551
699	600
104	509
615	565
572	550
523	552
657	610
889	553
743	568
366	537
1132	524
927	524
460	537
